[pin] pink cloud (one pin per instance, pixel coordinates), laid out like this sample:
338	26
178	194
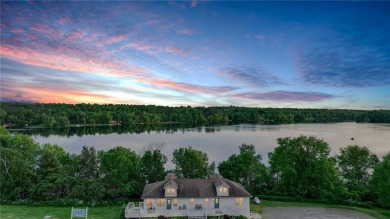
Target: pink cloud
175	50
48	31
185	31
59	59
192	88
137	45
76	35
116	39
63	20
286	96
50	95
17	30
194	3
92	37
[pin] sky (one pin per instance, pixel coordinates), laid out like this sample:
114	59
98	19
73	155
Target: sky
198	53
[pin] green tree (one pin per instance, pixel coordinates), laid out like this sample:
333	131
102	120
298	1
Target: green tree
48	177
120	172
18	161
301	167
88	163
191	163
381	181
152	166
3	131
245	168
356	164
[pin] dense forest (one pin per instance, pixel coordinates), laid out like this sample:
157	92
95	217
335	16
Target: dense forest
62	115
299	168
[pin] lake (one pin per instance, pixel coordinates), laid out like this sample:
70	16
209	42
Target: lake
219	142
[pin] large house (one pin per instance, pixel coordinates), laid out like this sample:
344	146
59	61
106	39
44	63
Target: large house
193	198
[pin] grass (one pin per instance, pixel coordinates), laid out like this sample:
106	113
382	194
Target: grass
375	212
39	212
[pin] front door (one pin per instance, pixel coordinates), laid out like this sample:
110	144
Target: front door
216	203
169	204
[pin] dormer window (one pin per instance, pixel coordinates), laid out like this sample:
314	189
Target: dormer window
221	186
223	190
170	192
170	187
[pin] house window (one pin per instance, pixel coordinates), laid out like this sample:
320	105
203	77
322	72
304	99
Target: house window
149	202
192	201
206	201
223	190
170	191
160	202
239	201
175	202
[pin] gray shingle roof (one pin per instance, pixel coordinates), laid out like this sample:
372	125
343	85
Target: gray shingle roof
219	182
170	183
195	188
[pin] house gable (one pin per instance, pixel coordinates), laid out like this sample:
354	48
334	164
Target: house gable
195	188
222	188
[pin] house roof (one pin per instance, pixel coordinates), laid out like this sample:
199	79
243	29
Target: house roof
220	182
194	188
170	183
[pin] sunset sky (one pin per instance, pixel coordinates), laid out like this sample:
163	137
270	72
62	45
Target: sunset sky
197	53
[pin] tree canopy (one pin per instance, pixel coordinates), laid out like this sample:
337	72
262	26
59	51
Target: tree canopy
381	181
62	115
301	167
192	163
245	168
153	165
356	164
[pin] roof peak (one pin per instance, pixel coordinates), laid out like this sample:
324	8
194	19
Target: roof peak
170	176
216	176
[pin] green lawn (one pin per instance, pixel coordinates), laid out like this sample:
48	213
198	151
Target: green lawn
375	212
38	212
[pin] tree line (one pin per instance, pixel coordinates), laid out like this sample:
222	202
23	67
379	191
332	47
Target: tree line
299	167
62	115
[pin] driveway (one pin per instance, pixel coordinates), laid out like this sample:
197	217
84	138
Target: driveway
311	213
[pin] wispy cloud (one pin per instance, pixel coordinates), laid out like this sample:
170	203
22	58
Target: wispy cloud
24	82
68	61
116	39
175	47
194	3
175	50
286	96
187	87
260	36
353	56
254	76
186	31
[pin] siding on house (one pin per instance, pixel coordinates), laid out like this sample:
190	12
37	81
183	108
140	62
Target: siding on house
193	196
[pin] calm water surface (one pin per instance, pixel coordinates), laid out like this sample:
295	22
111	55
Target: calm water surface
219	142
